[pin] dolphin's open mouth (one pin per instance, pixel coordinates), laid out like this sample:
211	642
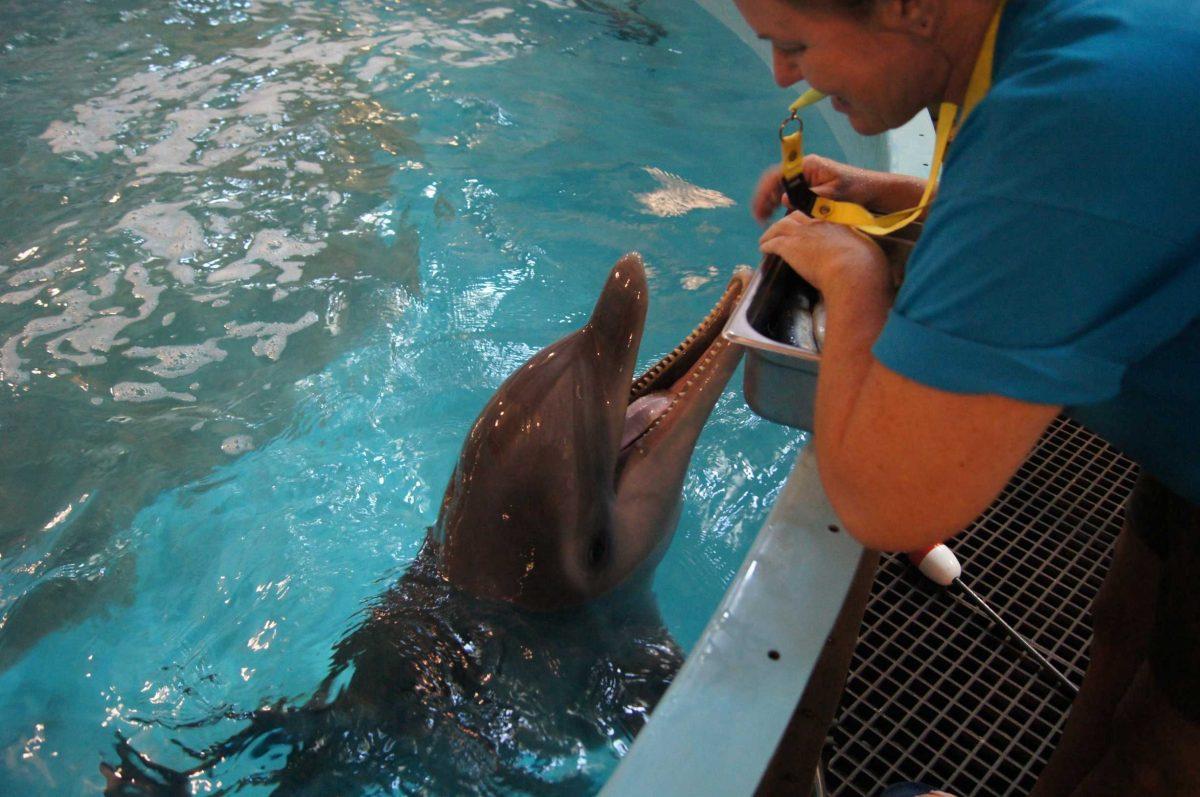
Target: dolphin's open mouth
664	387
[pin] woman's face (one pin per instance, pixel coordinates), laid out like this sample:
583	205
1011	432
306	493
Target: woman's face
878	69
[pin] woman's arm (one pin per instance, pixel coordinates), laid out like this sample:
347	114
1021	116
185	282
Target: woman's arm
904	465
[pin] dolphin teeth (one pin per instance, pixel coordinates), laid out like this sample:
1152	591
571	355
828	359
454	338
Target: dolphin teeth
642	390
659	418
645	383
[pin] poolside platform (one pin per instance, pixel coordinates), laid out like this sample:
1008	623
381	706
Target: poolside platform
935	693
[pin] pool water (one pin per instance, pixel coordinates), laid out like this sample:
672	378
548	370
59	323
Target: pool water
261	264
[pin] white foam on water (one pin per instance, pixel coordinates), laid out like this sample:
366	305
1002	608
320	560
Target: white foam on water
264	163
374	66
138	392
181	360
95	337
275	248
10	363
488	14
691	282
65	137
237	444
238	136
171	154
219	224
237	271
99	122
333	313
20	297
216	299
76	304
43	272
272	338
89	340
236	110
170	232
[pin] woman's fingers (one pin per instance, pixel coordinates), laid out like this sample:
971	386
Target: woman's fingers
792	238
822	174
826	177
779	246
766	194
788	225
820	251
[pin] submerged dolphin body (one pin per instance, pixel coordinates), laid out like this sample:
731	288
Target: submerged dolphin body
524	632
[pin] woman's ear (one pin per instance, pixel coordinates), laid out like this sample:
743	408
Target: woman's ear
918	17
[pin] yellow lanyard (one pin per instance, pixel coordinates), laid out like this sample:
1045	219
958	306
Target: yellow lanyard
949	121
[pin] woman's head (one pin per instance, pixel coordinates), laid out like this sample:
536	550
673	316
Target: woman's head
881	61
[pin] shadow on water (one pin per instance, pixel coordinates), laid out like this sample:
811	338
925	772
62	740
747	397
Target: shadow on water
626	21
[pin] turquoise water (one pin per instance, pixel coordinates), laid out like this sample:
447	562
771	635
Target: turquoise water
261	264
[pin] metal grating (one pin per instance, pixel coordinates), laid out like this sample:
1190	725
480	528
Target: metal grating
934	692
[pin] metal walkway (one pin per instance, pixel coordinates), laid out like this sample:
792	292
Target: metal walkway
934	693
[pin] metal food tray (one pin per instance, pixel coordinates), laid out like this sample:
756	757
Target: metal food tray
778	321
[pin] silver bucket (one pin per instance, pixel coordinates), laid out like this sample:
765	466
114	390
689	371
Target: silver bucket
780	323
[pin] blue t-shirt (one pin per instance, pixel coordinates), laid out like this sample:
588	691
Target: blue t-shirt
1060	263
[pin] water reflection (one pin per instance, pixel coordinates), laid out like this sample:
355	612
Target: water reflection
439	692
260	263
228	198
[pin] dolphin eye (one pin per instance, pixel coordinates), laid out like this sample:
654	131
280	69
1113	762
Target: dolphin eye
597	550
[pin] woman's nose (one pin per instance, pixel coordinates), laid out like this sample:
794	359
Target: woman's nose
787	71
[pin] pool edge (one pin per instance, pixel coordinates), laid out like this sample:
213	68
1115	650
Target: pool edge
717	727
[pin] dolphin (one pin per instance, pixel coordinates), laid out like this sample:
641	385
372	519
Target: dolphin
570	482
524	631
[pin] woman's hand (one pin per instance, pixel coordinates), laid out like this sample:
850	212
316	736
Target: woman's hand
768	195
834	180
878	191
825	177
832	257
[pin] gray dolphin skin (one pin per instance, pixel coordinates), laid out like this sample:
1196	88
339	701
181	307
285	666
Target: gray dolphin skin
570	480
525	631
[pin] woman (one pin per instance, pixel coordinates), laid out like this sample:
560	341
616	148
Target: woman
1059	268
